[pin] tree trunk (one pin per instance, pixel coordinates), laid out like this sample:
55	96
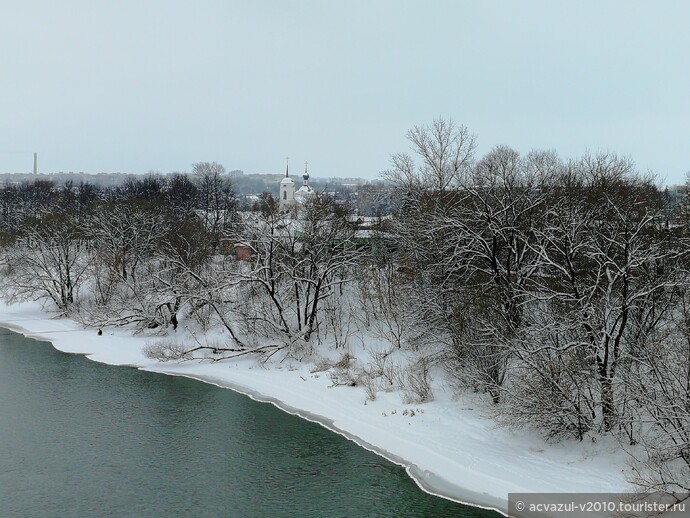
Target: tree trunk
608	410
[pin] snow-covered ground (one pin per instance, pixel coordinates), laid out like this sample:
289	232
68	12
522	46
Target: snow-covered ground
448	446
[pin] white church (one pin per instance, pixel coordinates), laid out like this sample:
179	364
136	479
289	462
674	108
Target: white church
290	198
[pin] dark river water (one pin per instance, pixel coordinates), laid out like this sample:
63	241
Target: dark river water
82	439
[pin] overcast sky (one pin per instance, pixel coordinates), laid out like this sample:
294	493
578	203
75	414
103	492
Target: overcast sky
139	85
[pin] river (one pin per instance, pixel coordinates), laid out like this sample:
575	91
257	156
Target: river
82	439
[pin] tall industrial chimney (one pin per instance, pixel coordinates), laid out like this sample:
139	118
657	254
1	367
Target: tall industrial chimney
35	163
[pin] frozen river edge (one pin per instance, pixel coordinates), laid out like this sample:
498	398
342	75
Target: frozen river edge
448	448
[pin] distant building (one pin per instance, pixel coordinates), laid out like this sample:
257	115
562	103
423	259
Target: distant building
287	190
290	198
62	177
304	193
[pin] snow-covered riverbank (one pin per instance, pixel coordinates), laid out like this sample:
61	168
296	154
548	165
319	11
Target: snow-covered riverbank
449	446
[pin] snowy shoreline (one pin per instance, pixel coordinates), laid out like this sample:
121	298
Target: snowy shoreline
449	449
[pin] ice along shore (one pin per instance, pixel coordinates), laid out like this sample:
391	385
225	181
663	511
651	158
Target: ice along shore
448	446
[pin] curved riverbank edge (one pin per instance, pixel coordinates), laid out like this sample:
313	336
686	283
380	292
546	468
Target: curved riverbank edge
427	481
449	449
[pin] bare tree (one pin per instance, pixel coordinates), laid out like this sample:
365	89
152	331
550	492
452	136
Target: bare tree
472	250
181	196
445	151
296	263
384	301
606	268
181	260
124	234
427	182
125	237
660	385
49	260
216	199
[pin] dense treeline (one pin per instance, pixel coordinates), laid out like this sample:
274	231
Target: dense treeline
65	238
558	288
156	250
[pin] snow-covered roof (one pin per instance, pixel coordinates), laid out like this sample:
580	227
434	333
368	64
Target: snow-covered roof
304	193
